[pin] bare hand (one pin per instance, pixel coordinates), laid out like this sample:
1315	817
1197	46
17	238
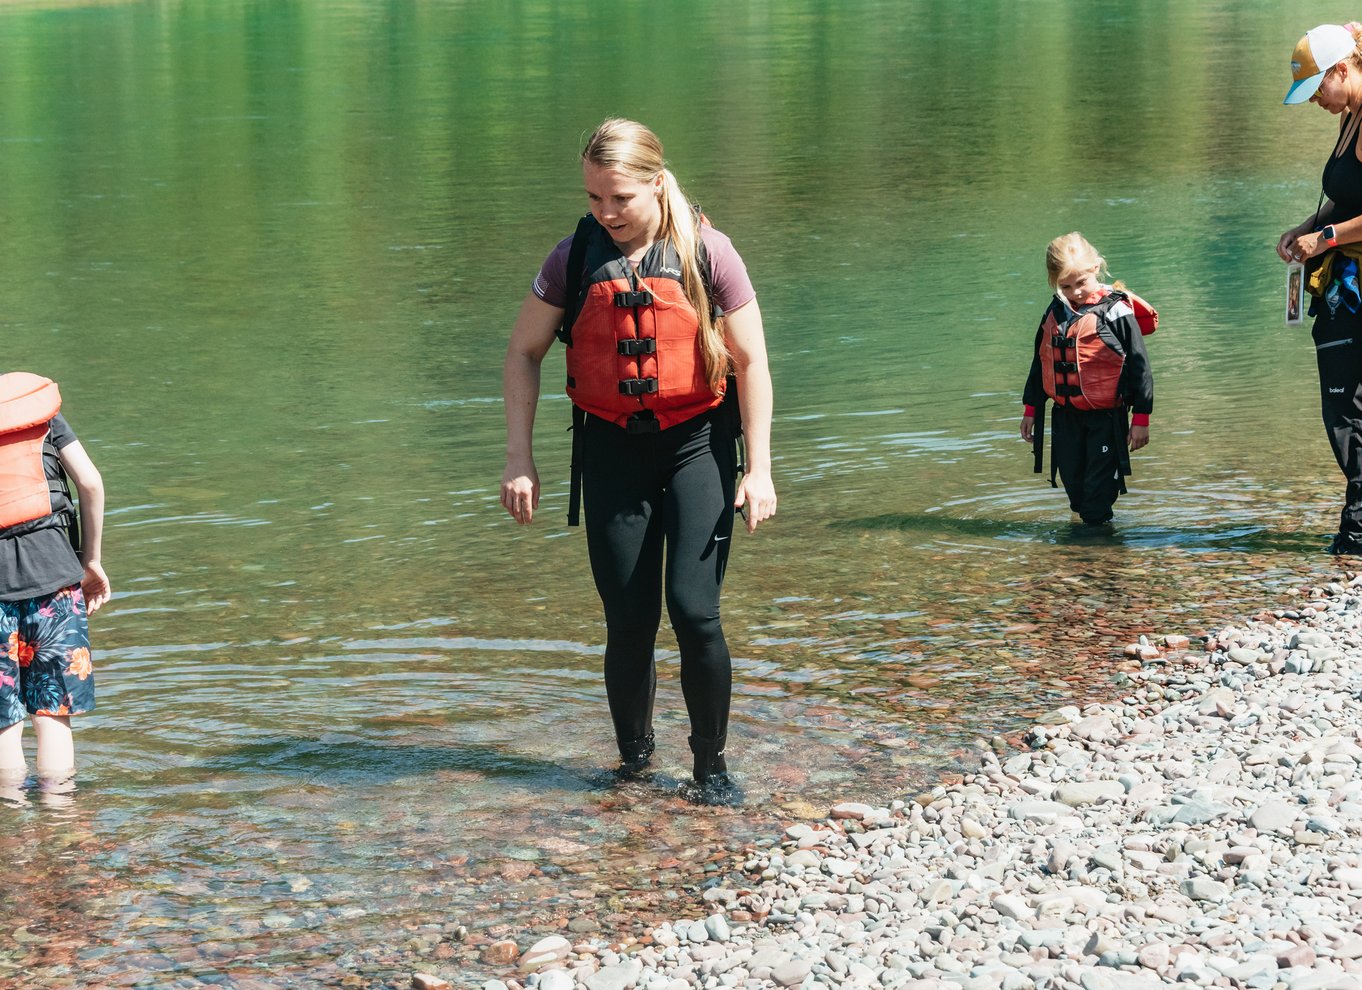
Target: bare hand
1286	245
94	585
1028	428
758	494
1139	437
520	491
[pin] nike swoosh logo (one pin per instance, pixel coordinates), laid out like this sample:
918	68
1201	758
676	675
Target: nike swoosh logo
718	538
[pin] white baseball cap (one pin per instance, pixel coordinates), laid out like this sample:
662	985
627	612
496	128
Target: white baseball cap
1316	53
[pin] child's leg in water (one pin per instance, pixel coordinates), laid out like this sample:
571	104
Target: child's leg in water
56	748
13	769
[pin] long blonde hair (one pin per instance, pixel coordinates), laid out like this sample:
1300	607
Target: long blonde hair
628	147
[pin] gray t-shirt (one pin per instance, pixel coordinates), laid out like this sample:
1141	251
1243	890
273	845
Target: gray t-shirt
41	562
728	274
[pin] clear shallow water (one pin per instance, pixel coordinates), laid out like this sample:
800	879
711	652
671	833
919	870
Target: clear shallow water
272	252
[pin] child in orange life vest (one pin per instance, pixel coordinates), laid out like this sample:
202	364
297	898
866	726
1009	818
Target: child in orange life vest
1090	361
47	587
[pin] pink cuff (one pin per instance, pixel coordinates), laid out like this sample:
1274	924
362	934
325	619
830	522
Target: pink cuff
1139	419
1029	411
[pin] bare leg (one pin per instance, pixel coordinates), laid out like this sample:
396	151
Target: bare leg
56	750
13	769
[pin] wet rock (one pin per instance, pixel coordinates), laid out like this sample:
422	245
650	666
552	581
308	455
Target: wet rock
546	951
501	953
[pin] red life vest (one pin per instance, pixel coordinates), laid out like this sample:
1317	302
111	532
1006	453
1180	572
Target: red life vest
1081	358
635	342
1145	315
27	404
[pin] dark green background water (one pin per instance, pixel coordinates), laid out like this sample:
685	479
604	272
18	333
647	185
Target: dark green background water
272	252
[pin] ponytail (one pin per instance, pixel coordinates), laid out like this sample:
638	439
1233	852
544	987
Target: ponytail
681	226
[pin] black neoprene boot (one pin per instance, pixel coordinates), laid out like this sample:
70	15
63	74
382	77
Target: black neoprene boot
713	783
635	754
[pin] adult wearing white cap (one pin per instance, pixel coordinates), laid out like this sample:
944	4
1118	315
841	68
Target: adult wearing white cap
1326	69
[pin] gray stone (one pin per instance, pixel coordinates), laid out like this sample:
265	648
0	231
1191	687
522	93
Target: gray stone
1274	815
717	926
1080	793
1205	889
556	979
791	972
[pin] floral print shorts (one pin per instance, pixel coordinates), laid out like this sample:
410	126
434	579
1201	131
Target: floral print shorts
45	657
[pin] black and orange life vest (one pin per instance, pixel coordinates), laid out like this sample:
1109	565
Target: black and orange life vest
634	343
1081	358
29	499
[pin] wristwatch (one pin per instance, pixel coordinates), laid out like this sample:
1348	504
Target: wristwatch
1329	237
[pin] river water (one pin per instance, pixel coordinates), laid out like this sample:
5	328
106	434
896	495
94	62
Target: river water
272	250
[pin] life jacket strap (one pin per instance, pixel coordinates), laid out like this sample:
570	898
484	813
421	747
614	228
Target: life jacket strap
1038	441
1068	367
575	472
1068	391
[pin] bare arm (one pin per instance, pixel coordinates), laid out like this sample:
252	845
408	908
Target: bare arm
747	344
531	339
90	492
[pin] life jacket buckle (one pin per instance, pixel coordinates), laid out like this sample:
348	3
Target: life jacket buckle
638	386
638	297
642	422
1061	341
634	346
1066	366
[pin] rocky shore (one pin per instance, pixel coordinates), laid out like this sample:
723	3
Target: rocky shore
1204	829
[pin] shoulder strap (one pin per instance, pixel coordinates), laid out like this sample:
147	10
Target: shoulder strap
576	268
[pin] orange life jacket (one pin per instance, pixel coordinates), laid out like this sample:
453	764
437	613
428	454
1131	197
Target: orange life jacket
634	344
1081	359
27	404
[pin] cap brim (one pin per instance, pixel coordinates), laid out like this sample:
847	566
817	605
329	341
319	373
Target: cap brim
1302	89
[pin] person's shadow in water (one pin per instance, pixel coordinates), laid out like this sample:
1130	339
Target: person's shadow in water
358	762
1240	538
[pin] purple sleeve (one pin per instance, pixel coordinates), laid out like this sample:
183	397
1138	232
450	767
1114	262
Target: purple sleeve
549	283
732	287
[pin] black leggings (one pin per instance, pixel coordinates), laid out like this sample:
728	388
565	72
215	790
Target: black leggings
1338	353
643	493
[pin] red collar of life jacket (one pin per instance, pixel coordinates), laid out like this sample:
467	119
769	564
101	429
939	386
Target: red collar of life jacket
635	352
27	404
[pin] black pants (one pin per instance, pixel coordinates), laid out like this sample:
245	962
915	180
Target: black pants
1087	449
661	503
1338	352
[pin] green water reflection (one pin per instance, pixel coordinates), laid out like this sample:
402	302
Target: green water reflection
272	250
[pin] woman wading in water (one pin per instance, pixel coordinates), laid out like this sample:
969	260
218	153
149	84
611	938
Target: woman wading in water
661	322
1326	69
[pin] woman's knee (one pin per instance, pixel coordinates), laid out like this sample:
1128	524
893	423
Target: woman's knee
694	616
